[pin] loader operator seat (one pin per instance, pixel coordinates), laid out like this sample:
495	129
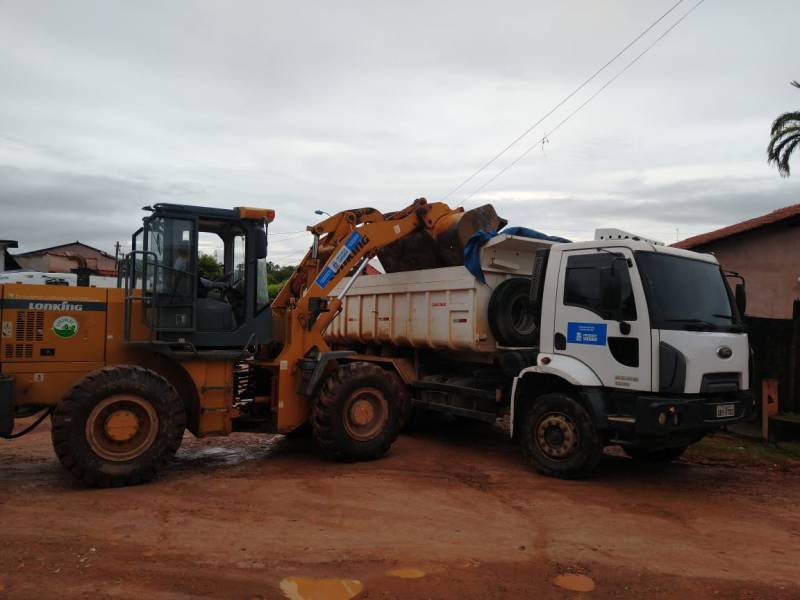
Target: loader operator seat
218	313
214	315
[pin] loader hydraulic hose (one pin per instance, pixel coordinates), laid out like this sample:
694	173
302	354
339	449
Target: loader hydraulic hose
47	412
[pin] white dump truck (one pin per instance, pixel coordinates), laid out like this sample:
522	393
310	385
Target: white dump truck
619	340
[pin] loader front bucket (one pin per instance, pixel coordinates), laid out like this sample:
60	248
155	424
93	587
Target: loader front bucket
441	247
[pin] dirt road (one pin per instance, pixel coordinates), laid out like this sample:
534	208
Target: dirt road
458	512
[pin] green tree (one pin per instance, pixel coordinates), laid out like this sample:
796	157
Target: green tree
278	273
209	268
784	138
277	277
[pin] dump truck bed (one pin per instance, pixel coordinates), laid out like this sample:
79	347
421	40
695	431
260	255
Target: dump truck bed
444	308
441	308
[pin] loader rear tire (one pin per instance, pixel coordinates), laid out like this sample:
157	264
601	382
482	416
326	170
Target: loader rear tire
118	426
358	412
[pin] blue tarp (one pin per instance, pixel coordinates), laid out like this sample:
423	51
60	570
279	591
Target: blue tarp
472	254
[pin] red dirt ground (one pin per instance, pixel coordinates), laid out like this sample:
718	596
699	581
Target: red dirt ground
235	516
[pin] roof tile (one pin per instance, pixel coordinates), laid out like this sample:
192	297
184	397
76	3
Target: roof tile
775	216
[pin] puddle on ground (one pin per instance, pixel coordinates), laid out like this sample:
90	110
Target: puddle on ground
574	583
229	455
406	573
304	588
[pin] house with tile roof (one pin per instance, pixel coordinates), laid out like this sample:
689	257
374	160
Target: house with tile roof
66	258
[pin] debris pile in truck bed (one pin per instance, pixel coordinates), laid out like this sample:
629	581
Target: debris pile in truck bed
421	251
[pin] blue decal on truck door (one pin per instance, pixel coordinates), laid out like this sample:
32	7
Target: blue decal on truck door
587	333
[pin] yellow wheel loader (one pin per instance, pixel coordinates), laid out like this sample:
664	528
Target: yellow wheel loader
124	371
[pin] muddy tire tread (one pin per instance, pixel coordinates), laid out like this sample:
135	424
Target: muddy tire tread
325	414
75	406
592	447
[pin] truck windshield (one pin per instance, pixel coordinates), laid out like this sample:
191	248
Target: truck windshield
683	293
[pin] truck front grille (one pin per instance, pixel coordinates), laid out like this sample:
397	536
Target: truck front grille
719	383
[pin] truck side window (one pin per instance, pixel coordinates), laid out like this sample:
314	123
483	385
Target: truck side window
582	286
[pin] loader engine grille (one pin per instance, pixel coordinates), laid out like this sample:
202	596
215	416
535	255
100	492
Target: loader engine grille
18	351
30	326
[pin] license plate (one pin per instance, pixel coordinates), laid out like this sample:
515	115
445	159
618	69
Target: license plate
725	411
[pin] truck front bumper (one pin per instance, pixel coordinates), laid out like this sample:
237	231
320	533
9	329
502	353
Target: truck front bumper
6	405
662	421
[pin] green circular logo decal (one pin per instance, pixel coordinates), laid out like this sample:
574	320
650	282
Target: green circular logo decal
65	327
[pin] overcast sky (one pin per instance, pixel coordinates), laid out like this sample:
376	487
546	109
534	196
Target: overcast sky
109	106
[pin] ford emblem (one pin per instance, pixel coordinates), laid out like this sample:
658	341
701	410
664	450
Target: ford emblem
724	352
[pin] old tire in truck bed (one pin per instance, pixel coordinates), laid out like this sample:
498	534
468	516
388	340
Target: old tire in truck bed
511	319
359	411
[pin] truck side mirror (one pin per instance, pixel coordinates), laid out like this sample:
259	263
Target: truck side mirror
741	298
261	243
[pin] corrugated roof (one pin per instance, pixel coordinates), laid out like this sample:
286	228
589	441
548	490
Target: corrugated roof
775	216
53	249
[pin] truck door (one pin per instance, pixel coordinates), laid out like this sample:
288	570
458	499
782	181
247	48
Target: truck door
601	317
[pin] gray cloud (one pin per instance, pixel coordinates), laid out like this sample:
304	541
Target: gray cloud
109	106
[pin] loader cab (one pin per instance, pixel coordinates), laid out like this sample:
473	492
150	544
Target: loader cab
192	297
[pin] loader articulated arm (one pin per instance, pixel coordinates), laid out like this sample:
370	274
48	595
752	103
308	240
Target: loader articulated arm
343	242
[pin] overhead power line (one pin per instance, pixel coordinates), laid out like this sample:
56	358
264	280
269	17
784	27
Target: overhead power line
287	232
546	136
562	102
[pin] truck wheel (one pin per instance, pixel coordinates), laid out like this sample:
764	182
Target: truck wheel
357	415
118	426
511	320
662	455
559	438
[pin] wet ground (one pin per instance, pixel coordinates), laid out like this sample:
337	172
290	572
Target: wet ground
451	514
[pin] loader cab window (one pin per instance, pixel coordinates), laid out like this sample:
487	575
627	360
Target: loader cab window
170	259
221	277
262	291
588	280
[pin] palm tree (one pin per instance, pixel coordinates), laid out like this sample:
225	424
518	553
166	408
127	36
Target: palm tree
784	138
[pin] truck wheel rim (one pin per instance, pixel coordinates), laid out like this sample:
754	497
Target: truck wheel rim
121	427
366	413
557	436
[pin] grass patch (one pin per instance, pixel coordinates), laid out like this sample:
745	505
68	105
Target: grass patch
794	417
726	448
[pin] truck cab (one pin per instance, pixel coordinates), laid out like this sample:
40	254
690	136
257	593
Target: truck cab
648	340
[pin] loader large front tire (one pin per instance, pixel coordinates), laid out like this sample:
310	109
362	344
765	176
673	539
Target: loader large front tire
118	426
358	412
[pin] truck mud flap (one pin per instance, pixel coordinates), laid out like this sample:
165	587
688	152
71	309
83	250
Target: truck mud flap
6	405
